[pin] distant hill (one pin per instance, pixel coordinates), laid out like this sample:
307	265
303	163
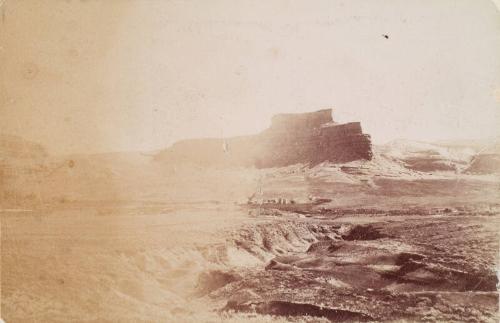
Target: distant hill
402	170
429	157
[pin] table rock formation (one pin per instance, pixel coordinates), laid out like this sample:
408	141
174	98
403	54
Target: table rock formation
309	138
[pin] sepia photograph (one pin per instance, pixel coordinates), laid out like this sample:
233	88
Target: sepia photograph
191	161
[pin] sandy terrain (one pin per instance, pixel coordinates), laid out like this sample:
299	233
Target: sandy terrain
154	264
114	264
122	238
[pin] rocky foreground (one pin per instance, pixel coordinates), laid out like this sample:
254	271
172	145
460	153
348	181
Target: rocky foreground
212	263
372	268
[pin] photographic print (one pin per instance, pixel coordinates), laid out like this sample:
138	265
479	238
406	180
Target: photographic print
249	161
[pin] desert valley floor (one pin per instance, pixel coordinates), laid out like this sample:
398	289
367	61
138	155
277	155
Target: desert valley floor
217	262
363	241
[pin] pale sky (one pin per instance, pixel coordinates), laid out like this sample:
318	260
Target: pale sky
109	75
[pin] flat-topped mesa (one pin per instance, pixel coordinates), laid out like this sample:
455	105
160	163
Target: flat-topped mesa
312	138
308	138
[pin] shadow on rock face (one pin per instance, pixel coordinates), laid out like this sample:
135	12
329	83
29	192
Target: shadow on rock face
366	232
213	280
283	308
275	265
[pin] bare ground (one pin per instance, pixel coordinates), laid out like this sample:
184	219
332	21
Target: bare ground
156	264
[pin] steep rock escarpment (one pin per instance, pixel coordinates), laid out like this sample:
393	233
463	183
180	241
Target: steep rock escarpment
292	138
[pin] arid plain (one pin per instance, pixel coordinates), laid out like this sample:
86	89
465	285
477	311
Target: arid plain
411	234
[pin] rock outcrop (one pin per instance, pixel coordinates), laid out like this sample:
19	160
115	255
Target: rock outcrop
292	138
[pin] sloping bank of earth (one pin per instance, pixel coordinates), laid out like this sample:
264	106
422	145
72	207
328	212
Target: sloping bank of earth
364	268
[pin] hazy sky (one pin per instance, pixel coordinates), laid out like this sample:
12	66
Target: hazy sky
93	76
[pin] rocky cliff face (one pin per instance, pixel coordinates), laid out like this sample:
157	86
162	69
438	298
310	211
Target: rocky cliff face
292	138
